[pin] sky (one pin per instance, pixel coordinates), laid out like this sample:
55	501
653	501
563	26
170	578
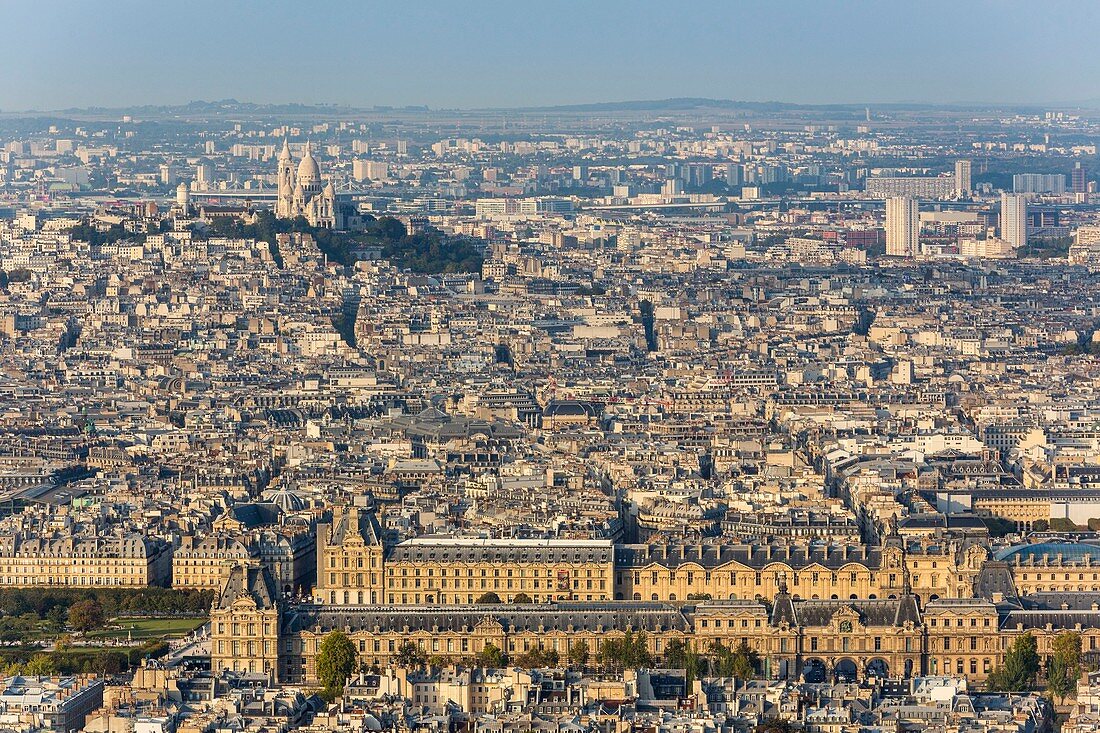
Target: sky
57	54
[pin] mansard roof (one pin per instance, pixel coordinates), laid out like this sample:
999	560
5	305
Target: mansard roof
567	617
871	611
995	577
1056	619
248	581
751	555
364	523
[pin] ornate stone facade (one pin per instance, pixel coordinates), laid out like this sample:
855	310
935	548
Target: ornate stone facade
303	193
815	639
356	566
132	561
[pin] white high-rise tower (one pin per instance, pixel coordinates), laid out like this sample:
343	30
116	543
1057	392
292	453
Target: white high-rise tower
1014	219
902	226
962	178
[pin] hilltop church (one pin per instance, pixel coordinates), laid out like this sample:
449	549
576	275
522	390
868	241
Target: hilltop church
303	193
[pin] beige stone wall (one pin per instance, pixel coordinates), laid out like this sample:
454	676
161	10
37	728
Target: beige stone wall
465	583
195	571
245	639
30	571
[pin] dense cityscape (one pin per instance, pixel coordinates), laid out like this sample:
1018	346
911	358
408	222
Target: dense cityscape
679	416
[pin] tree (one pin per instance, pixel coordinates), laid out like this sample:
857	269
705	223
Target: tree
538	657
679	655
744	662
409	655
999	527
521	598
40	665
676	653
1040	525
578	653
335	662
630	651
86	616
1062	524
740	662
774	725
489	597
1064	667
1020	666
56	617
491	656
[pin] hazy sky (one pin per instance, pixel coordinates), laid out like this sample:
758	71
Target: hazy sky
500	53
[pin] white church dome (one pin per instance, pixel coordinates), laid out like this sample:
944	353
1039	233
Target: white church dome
308	170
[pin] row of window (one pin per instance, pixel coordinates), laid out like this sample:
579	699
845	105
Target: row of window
508	573
757	578
847	644
959	623
496	584
113	579
936	667
973	643
252	648
1054	576
704	623
358	561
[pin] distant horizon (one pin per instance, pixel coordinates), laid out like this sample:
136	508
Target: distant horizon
494	54
610	104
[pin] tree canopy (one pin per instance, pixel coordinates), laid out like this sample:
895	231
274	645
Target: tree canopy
740	662
579	653
336	660
40	665
491	656
1064	667
1020	666
409	655
625	652
537	658
114	601
86	615
680	655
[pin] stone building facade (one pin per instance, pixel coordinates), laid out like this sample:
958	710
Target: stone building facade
356	566
815	639
245	623
131	561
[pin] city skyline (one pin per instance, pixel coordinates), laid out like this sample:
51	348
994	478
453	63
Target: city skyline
506	368
565	54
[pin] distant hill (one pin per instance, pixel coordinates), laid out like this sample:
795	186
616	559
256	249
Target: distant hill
675	104
223	107
214	107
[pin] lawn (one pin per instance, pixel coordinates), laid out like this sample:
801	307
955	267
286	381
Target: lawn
140	629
